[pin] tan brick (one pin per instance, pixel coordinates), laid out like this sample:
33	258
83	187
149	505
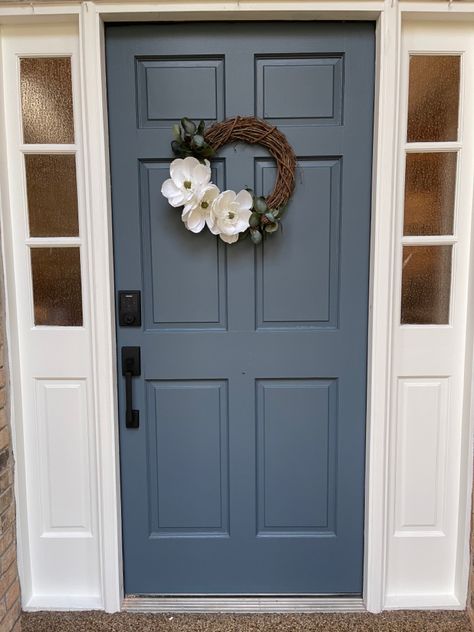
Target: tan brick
13	594
6	538
7	518
3	397
17	626
11	618
8	557
6	500
7	578
3	609
6	479
3	418
4	438
4	459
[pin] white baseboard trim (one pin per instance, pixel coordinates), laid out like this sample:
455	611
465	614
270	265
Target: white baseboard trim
63	602
447	601
202	604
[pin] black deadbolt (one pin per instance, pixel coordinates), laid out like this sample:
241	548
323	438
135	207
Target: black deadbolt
130	308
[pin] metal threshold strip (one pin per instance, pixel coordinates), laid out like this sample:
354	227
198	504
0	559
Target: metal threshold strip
241	604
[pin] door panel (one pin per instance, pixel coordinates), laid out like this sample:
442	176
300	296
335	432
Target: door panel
246	474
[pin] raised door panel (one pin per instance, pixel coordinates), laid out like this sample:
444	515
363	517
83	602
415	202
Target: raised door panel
164	87
298	273
187	457
296	457
312	84
185	276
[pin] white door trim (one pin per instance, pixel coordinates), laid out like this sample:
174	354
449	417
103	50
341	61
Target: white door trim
378	383
91	17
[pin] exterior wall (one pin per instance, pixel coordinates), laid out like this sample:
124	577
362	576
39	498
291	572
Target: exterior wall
10	607
470	603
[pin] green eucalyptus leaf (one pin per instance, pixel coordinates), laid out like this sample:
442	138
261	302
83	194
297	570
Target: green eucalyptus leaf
176	146
176	131
254	220
256	236
189	126
198	141
272	228
201	128
207	151
270	217
260	205
275	212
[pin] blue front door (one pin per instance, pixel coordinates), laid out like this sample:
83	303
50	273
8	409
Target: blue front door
246	473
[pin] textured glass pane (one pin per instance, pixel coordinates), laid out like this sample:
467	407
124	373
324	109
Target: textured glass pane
52	195
433	99
426	285
46	97
430	186
57	293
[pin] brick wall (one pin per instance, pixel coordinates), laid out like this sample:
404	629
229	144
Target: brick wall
470	602
9	586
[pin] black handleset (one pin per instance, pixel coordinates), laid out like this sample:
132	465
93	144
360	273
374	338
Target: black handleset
130	368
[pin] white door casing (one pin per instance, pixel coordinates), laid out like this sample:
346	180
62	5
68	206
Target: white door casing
86	371
429	412
53	388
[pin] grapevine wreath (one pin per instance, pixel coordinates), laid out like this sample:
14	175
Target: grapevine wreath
230	215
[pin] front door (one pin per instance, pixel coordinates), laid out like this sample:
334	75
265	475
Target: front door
246	473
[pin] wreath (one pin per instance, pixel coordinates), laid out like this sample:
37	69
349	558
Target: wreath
230	215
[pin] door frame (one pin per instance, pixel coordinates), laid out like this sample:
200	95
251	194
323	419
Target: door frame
380	298
91	17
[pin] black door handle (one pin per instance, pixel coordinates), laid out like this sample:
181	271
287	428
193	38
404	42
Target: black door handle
130	368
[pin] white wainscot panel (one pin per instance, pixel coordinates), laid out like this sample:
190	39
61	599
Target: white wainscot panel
421	456
63	457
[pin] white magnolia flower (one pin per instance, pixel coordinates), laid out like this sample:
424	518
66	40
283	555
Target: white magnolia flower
189	178
230	214
196	217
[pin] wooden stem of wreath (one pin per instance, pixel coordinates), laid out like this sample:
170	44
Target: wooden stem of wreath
249	129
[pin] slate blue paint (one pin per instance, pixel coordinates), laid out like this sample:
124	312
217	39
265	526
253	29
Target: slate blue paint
246	475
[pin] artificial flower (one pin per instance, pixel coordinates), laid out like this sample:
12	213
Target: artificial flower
189	178
195	218
230	214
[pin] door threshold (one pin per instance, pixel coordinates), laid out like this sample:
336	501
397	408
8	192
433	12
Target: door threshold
241	604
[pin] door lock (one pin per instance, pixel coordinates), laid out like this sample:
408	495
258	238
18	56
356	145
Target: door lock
130	313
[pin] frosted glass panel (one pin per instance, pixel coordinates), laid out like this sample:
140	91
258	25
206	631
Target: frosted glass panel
426	285
433	100
52	195
430	186
57	292
46	97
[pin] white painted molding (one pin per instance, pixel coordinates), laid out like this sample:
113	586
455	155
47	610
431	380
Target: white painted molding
381	308
431	601
61	602
103	305
18	439
430	453
52	386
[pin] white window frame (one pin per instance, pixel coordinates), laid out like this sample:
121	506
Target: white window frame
91	17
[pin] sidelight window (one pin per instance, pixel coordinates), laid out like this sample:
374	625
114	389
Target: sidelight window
51	188
431	163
